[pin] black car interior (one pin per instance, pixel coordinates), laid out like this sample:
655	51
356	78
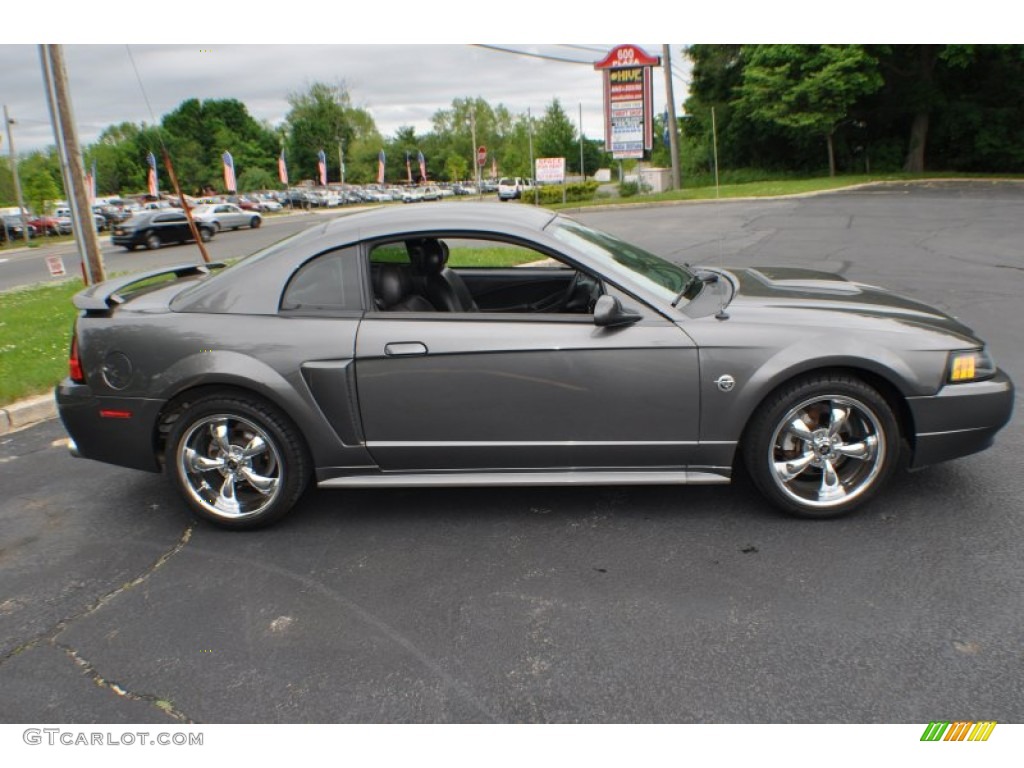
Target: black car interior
422	281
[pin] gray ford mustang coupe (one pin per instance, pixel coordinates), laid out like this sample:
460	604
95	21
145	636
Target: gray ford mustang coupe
506	345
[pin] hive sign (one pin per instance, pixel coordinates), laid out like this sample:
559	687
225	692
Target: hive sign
628	97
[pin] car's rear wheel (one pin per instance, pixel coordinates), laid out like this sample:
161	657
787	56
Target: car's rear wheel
822	445
255	222
153	241
238	462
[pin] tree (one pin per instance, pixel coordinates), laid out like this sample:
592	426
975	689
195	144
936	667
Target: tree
556	136
38	181
252	179
198	133
456	167
807	88
317	121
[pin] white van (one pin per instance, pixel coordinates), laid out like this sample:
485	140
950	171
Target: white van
512	188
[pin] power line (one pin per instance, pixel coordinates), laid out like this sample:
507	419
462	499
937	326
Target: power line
533	55
583	48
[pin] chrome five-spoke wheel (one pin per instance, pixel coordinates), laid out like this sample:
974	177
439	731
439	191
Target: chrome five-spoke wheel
822	446
237	461
827	451
231	467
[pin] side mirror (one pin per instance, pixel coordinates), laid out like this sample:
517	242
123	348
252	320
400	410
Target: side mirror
608	313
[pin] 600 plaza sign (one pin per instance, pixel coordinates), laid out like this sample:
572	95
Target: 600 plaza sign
628	98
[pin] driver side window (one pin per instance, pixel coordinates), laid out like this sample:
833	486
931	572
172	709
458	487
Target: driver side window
468	275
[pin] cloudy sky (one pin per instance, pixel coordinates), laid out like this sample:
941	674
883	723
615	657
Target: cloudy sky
398	84
402	62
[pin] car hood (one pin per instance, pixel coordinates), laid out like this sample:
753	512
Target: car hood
828	294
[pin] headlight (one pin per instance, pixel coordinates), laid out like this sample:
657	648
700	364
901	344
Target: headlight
970	365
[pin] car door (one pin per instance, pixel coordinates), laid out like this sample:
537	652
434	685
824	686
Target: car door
526	391
172	227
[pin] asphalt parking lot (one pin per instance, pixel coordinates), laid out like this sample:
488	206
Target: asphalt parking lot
632	605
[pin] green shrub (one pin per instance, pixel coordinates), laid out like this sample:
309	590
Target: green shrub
628	189
551	194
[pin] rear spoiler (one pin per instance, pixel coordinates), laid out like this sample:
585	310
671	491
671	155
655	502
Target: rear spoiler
104	296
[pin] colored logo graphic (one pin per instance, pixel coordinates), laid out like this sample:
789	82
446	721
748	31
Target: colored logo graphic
960	730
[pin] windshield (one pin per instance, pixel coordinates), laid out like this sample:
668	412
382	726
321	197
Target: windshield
619	257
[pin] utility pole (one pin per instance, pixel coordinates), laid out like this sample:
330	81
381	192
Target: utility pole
583	168
55	77
529	122
472	151
8	122
341	159
673	126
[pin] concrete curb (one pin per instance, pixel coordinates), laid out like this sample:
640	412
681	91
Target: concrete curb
25	413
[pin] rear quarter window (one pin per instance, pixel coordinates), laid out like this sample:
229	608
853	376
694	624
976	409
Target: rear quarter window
327	284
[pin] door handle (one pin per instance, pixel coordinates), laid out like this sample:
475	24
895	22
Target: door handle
405	348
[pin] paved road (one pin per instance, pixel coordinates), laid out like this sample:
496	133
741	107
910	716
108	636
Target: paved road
24	266
541	605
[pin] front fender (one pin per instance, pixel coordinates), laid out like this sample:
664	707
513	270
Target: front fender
759	371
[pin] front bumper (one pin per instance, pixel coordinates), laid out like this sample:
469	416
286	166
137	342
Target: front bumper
100	429
960	419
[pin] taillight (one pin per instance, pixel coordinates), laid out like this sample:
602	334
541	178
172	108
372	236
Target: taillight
75	362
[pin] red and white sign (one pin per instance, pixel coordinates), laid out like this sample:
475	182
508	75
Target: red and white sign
56	266
549	170
481	156
628	101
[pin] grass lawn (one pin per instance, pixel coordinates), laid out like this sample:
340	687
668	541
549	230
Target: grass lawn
35	337
771	188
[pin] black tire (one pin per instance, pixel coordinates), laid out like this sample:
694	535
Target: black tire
205	234
255	222
153	241
822	445
237	461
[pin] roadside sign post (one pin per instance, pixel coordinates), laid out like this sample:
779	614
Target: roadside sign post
56	266
481	161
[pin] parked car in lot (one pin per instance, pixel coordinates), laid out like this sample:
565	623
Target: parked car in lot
270	205
513	188
65	226
156	228
226	216
358	354
13	229
51	225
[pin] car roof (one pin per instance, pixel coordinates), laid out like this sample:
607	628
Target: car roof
253	286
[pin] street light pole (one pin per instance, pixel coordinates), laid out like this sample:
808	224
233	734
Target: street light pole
8	122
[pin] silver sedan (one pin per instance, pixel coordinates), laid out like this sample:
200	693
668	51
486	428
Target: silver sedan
226	216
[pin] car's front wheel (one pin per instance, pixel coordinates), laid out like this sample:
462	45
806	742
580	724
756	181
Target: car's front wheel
238	462
255	222
822	445
205	234
153	241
